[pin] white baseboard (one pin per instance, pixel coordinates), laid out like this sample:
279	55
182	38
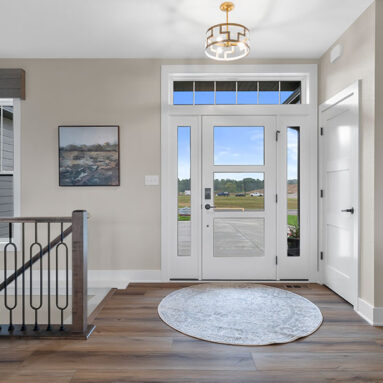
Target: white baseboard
373	315
365	310
121	278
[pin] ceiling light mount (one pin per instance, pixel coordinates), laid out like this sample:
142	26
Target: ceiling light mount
227	41
227	7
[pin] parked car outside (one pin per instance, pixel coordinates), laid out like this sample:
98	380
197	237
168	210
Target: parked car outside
222	194
256	194
240	195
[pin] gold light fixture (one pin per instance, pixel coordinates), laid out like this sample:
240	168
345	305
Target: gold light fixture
227	41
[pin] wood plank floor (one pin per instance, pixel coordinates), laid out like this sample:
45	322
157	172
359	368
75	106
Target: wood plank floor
131	344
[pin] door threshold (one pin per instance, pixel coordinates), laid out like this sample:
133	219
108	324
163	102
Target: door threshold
239	280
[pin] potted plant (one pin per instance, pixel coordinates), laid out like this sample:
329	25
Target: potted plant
293	236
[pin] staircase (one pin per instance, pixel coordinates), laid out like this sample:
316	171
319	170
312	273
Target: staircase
45	297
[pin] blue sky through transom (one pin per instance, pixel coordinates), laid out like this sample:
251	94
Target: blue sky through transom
229	98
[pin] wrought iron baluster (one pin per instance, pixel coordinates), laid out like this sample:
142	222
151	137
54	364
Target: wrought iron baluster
10	308
38	307
60	307
23	328
49	277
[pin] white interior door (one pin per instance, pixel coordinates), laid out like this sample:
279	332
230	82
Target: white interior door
339	205
238	197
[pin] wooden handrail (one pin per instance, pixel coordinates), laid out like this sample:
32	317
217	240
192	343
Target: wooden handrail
35	258
36	219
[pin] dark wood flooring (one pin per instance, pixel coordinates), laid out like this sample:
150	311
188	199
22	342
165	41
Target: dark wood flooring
131	344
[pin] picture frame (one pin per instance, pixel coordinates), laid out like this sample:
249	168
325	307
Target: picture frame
89	155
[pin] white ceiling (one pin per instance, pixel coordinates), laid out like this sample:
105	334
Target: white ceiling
168	28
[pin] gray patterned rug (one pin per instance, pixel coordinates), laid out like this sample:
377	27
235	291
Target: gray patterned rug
240	313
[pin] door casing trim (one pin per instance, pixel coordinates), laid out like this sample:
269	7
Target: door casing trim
353	89
309	76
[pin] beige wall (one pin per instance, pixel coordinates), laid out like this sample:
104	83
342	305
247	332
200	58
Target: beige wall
124	230
358	63
379	154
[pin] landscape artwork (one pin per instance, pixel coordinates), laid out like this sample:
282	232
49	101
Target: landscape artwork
89	156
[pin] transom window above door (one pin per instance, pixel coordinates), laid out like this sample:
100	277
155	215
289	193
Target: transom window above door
236	92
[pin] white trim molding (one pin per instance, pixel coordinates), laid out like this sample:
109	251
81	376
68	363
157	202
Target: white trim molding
373	315
16	103
308	109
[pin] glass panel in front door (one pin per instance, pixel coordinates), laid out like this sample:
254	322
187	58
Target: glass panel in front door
239	145
239	237
293	192
184	191
239	191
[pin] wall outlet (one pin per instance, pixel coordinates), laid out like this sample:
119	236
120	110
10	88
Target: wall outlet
152	180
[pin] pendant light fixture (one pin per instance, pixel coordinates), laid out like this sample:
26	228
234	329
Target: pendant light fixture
227	41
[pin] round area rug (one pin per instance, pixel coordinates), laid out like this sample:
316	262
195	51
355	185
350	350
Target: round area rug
240	313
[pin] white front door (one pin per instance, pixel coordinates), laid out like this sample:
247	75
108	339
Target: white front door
239	197
339	206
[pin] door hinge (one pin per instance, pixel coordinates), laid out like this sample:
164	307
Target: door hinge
276	198
321	193
277	135
321	255
321	131
276	260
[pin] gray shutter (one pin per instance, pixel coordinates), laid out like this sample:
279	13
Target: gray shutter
6	140
6	202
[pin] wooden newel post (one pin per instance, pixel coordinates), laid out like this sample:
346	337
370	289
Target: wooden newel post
79	271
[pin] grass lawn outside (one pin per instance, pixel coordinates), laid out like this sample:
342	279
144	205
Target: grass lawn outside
183	201
233	202
292	220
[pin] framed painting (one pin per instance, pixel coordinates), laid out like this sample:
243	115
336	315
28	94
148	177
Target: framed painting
89	155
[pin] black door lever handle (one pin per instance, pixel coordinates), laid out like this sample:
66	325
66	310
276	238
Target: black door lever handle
348	210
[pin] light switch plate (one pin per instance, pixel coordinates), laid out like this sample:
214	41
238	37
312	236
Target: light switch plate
152	180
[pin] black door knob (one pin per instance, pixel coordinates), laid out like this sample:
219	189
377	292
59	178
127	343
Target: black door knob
348	210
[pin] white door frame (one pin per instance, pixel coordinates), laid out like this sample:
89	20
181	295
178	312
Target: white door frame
350	91
16	103
307	73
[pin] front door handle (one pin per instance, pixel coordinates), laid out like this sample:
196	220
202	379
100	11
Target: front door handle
348	210
208	206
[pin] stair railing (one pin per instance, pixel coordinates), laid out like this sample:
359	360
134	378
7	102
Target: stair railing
23	314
